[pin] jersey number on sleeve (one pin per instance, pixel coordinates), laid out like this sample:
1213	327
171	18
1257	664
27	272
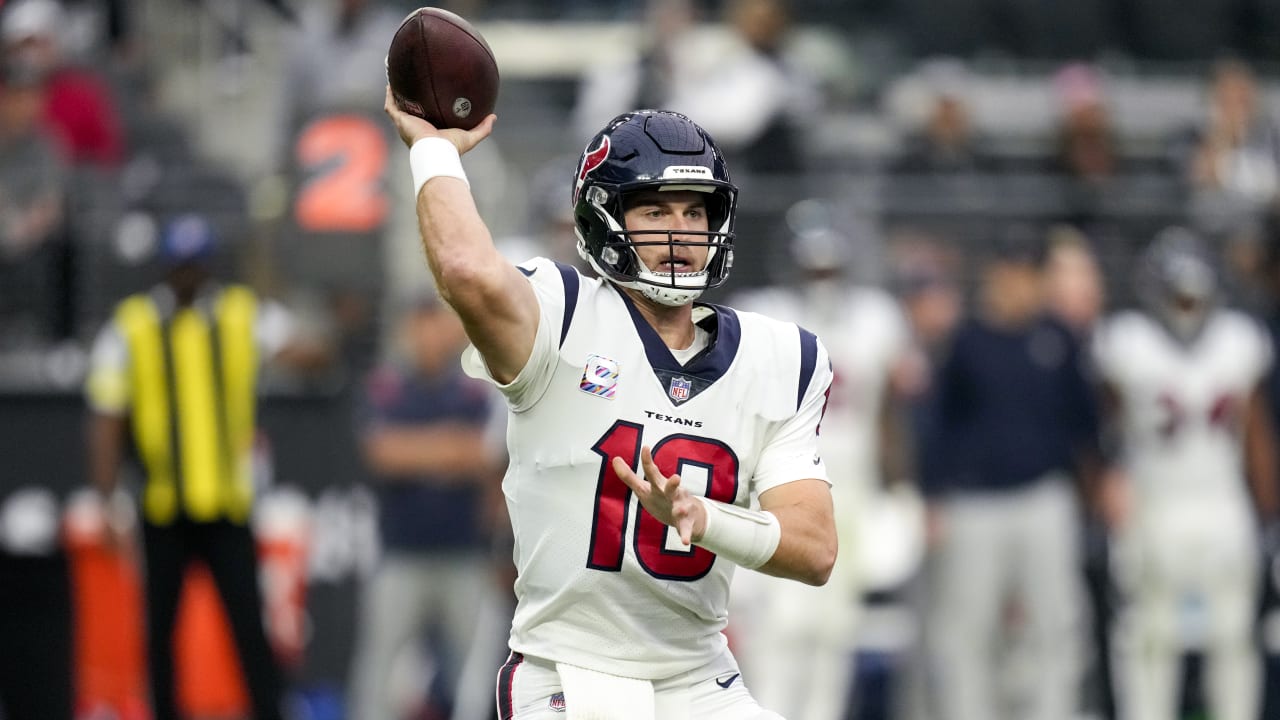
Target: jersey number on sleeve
674	455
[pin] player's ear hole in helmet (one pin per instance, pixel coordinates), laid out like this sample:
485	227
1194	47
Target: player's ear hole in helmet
653	150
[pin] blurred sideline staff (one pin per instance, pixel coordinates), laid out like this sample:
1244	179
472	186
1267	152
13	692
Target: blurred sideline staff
1016	429
176	369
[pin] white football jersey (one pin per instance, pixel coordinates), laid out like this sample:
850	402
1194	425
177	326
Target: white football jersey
1183	406
602	584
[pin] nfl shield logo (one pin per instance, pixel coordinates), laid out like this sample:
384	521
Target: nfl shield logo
680	388
557	702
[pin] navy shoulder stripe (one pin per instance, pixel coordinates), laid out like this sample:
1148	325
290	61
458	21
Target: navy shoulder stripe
808	363
570	278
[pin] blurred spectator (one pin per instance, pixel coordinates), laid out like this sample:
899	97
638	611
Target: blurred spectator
1236	149
1087	154
424	440
1014	424
78	104
743	86
947	142
1075	289
32	200
175	370
1185	380
796	643
1085	147
1086	144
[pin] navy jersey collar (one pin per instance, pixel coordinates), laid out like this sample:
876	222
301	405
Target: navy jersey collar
707	366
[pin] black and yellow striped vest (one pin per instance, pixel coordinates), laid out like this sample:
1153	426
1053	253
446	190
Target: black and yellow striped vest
192	381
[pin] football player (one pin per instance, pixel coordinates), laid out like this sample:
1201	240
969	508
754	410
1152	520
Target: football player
797	643
1183	378
640	424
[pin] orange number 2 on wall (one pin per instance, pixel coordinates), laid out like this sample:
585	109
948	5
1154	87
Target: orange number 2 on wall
343	158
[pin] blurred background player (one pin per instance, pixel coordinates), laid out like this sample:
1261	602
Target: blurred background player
424	440
175	372
796	643
1185	379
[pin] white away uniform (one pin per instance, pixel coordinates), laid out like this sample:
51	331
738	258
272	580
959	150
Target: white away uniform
603	585
1188	558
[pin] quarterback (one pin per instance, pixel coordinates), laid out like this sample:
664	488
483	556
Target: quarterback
641	423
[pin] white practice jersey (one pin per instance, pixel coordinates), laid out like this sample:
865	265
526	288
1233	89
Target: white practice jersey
601	584
1183	406
865	332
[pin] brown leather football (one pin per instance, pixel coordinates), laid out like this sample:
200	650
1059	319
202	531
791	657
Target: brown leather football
442	70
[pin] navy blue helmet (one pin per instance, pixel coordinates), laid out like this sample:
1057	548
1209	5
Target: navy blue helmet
1177	281
652	150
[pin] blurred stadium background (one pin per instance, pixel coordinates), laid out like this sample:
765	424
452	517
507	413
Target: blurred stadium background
1074	119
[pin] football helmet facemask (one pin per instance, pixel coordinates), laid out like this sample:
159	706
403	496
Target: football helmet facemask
653	150
1177	282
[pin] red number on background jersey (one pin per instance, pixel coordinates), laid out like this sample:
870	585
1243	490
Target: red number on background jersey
1223	414
673	455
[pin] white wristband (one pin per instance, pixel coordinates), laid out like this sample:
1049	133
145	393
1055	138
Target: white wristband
747	537
434	157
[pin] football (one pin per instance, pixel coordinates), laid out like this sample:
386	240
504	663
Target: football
442	70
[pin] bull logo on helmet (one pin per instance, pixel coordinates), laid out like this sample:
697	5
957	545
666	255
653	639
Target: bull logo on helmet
590	161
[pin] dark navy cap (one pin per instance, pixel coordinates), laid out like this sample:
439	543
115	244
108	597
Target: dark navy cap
188	238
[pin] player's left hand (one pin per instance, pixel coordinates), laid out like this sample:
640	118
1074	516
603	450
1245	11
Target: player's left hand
663	497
